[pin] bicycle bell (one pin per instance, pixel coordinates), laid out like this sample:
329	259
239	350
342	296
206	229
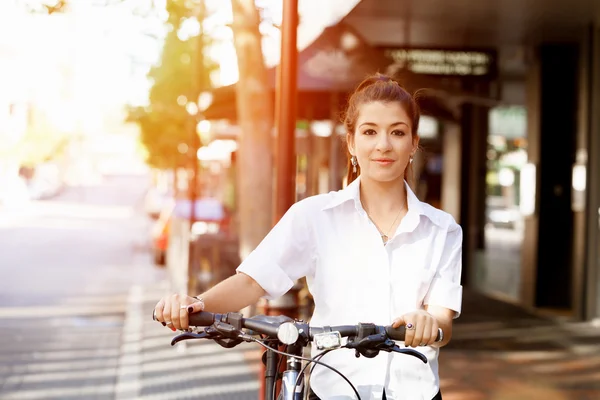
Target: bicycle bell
287	333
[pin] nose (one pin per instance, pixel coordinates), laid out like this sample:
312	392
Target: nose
383	142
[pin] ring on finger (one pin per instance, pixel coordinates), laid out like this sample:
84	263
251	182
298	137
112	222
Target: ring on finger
410	326
169	323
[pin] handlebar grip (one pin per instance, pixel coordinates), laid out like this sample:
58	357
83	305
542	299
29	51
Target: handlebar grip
202	318
397	333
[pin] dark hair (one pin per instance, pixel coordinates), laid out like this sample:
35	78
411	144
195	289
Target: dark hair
382	88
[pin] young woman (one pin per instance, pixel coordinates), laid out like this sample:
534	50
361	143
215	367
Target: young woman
371	252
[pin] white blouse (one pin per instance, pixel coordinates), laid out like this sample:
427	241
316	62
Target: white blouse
354	278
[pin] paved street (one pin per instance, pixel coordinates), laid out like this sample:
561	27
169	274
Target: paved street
66	269
67	266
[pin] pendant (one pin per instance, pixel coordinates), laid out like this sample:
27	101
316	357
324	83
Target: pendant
384	238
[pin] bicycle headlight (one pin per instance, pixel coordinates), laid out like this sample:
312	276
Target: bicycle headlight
328	340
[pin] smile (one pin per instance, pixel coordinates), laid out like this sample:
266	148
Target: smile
383	161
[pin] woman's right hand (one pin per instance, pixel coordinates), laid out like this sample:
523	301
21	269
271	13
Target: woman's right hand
172	311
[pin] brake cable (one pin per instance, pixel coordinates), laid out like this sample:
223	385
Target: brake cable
317	358
309	360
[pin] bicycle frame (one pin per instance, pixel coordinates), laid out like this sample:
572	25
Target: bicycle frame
290	375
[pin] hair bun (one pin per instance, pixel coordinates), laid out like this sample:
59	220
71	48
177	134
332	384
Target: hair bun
373	79
382	78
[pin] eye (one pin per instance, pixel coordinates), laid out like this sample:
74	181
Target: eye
369	132
398	133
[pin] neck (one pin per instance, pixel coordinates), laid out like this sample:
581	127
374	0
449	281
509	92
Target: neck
383	197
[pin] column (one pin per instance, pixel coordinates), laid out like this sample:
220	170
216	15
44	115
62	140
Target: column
548	267
592	256
451	185
474	133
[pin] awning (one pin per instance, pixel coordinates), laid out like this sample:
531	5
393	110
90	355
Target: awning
328	71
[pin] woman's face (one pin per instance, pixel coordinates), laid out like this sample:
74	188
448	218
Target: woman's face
382	141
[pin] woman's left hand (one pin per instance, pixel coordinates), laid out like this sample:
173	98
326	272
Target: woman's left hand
421	328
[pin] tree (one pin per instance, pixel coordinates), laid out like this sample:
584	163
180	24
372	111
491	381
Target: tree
177	80
166	127
255	117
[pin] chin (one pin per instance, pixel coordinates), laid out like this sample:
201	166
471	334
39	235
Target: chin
387	177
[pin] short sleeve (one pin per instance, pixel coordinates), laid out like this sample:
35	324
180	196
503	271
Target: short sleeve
446	290
284	255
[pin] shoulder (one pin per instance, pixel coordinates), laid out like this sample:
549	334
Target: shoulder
440	218
312	205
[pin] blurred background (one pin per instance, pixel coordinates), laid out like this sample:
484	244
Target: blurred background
147	146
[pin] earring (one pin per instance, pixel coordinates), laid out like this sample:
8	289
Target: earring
354	163
411	159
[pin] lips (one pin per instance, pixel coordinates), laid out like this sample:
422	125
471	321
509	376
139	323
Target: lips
383	160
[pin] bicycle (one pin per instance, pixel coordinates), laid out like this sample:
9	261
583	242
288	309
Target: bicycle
231	329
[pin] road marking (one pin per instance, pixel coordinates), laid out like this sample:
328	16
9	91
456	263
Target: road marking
129	366
60	311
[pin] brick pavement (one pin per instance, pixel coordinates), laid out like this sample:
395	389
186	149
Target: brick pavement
503	352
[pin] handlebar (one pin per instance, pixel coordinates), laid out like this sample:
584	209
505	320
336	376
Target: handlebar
365	339
270	325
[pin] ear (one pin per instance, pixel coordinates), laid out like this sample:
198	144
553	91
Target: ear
416	139
350	143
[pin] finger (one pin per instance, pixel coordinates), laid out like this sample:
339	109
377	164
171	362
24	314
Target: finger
419	327
175	314
196	307
398	322
158	311
167	314
183	317
410	333
426	339
434	333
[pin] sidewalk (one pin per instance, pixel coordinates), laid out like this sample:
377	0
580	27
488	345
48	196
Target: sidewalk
498	352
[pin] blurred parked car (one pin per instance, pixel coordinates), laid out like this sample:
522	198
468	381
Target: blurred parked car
43	181
211	217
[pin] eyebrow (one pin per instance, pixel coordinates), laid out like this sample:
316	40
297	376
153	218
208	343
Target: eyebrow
374	124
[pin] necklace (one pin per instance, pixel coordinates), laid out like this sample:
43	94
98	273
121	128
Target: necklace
385	237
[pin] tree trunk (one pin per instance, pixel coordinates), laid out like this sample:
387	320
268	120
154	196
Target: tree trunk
255	118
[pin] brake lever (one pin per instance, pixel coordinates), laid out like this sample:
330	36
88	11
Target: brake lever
190	335
371	345
229	336
410	352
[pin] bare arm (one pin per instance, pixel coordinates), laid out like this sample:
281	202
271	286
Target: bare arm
232	294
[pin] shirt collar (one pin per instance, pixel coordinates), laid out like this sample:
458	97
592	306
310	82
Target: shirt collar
415	207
